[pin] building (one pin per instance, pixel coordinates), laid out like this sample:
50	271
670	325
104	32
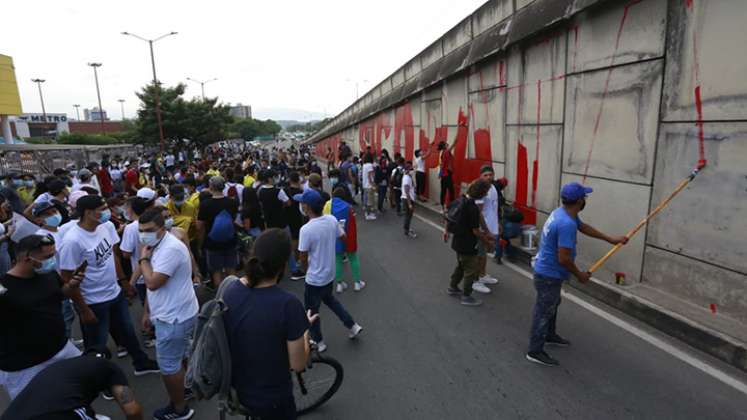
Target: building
94	114
35	125
10	100
240	111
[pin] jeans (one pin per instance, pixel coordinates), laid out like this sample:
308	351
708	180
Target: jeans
409	210
115	314
313	297
5	263
284	409
382	195
545	311
397	197
68	314
292	263
510	230
468	268
447	186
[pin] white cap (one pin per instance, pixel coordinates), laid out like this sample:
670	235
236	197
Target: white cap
146	193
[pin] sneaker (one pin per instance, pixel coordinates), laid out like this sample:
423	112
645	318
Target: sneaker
470	301
188	394
121	352
297	275
150	366
454	291
102	417
488	279
479	287
498	260
78	344
170	413
542	358
412	234
339	288
320	346
149	343
359	285
354	331
345	258
557	341
107	395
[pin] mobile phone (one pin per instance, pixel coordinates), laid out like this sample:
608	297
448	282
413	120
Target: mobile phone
81	268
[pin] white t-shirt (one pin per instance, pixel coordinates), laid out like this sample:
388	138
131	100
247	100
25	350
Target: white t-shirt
367	169
169	160
55	235
175	301
282	196
419	164
490	210
62	230
115	174
318	237
79	186
239	190
407	181
131	244
43	197
97	247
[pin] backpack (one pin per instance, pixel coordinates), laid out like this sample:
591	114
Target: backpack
209	368
232	191
454	215
397	178
222	229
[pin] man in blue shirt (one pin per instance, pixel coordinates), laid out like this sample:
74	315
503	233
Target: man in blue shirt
554	264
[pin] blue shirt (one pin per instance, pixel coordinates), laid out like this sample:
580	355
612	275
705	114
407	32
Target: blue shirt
558	232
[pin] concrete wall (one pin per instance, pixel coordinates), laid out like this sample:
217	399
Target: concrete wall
621	95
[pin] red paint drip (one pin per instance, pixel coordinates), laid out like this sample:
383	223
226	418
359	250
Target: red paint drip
701	131
713	308
689	4
575	45
501	73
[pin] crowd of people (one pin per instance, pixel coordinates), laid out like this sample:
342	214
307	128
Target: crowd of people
168	229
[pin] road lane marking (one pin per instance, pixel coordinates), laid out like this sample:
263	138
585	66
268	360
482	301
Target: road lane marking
701	365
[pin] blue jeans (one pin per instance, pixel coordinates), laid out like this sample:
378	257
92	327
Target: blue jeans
115	314
510	230
545	311
68	314
292	263
313	297
382	195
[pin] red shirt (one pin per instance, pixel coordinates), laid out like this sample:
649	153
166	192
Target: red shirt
447	162
131	180
105	181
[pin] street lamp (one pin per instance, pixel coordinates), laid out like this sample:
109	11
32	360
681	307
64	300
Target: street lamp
121	103
98	94
77	110
202	84
41	97
155	80
357	82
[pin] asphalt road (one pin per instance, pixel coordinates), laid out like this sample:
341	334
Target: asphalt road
424	356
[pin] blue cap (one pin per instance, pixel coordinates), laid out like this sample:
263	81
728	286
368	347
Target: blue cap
574	191
311	198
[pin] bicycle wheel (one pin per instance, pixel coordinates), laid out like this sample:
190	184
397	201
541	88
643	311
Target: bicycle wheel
317	384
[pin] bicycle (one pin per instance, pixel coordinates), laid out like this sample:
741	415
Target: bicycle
311	388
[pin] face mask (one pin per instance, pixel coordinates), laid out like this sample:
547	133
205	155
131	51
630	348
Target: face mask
333	180
54	220
169	223
148	238
29	183
179	202
47	266
106	215
17	182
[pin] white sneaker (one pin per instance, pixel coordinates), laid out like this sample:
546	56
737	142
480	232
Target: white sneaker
321	347
339	288
121	352
359	286
488	279
354	331
344	285
412	234
479	287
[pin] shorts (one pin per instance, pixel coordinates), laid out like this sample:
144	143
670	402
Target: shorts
221	260
481	250
371	197
172	344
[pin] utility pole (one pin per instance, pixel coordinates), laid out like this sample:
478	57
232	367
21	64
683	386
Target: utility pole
98	94
156	84
121	104
202	84
77	110
41	97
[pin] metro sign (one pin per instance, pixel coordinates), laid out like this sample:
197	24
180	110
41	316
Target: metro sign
54	118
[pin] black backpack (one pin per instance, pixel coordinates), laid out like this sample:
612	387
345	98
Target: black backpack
397	178
454	215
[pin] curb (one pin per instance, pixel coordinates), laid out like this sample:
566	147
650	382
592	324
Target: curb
699	336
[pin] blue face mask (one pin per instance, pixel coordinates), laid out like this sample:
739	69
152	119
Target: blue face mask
54	220
18	182
168	223
29	183
106	215
47	266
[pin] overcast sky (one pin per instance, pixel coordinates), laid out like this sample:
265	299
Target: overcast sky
273	55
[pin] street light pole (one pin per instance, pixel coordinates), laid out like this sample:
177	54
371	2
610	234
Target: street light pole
98	94
202	84
156	84
121	104
77	110
41	97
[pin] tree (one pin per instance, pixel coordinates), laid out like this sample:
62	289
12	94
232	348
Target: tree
201	121
249	128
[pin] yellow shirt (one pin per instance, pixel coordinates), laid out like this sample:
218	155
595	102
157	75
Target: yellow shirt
26	194
185	217
194	199
213	172
249	181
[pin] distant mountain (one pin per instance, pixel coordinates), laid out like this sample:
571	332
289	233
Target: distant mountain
286	114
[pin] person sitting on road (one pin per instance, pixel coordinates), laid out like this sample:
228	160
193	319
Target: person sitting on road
268	331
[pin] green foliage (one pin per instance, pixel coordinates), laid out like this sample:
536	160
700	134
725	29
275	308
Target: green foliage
249	128
39	140
88	139
309	127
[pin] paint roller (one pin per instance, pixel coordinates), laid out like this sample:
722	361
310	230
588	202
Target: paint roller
642	223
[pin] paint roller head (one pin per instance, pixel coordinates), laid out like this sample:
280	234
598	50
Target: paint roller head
701	164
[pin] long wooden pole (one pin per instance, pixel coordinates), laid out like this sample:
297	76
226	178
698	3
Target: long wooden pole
643	222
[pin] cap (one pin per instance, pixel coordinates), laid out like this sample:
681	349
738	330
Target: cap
486	169
311	198
574	191
41	207
89	202
72	200
146	193
84	173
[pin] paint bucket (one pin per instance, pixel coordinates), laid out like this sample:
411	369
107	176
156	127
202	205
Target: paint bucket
529	237
620	278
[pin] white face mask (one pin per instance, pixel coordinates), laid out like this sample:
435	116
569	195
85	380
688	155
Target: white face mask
148	238
300	208
168	223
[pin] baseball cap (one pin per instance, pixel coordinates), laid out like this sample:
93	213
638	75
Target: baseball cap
146	193
311	198
72	200
41	207
486	169
84	173
89	202
574	191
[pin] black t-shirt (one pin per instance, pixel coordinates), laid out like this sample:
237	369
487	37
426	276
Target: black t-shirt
209	209
259	324
32	328
65	386
293	213
272	208
464	241
251	209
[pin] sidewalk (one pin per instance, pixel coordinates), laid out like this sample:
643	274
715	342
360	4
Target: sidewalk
715	334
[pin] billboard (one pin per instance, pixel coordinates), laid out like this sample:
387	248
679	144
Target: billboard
10	100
